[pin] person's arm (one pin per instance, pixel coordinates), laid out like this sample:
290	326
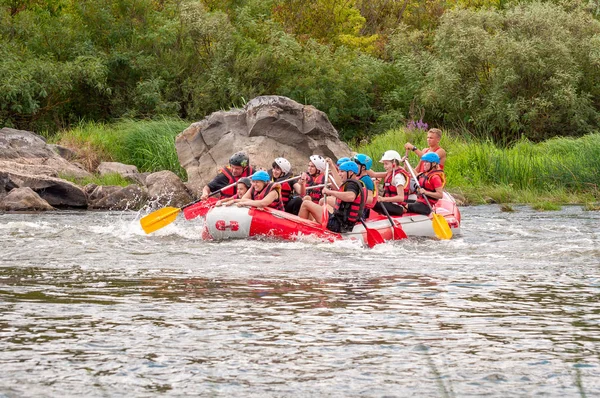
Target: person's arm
442	154
376	174
218	183
264	202
344	196
410	147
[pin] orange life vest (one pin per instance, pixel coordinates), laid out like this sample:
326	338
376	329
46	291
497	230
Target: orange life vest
390	190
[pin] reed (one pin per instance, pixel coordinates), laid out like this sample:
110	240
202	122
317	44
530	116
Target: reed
107	179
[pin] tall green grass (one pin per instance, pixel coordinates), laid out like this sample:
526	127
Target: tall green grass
149	145
522	172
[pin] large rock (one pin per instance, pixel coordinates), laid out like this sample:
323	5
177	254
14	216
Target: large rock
29	149
166	189
57	192
131	197
23	199
117	168
268	127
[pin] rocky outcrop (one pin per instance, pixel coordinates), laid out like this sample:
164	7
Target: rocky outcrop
165	188
266	128
23	199
131	197
29	149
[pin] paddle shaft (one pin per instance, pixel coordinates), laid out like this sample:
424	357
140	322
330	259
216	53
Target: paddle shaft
412	173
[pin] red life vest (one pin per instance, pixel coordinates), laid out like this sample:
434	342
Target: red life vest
276	204
425	182
390	190
315	194
348	213
232	191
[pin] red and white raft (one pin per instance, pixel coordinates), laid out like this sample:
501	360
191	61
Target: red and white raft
232	222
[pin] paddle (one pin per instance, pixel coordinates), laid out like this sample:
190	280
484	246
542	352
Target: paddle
440	225
397	231
165	216
373	236
325	215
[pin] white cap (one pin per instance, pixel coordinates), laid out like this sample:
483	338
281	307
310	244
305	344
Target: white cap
319	162
390	155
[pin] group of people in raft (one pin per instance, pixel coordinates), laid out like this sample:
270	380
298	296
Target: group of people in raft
355	194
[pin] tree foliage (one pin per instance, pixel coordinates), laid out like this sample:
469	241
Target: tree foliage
497	68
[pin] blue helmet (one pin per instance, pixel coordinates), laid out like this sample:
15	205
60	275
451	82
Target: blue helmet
364	160
261	175
349	166
343	160
431	157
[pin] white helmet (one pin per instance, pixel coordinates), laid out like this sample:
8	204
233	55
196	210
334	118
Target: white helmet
283	164
319	162
390	155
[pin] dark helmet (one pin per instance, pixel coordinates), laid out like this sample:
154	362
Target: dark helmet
239	159
246	181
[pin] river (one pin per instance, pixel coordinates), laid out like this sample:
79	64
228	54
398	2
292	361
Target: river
91	306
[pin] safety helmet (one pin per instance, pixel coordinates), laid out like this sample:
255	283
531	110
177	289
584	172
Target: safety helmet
390	155
283	164
349	166
246	181
319	162
364	160
431	157
343	160
239	159
261	175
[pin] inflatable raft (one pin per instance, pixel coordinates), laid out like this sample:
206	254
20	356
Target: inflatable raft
232	222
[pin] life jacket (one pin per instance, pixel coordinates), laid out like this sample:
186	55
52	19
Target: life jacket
389	189
418	168
287	188
375	190
425	182
349	213
232	191
276	204
315	194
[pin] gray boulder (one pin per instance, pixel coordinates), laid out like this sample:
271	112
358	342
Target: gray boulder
24	147
165	188
131	197
117	168
266	128
23	199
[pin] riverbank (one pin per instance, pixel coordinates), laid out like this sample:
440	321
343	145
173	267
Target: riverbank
546	175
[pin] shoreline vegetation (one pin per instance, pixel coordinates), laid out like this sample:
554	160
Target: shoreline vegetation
545	175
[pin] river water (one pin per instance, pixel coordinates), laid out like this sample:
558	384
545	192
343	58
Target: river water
91	306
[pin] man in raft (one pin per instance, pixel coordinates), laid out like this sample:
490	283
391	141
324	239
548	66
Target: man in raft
350	201
433	141
239	167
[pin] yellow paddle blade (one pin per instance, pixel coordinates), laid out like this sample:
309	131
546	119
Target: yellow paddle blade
159	218
440	227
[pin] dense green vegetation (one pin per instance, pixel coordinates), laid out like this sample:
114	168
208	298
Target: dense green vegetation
499	70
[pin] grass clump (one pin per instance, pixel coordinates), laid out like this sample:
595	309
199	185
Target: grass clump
546	206
106	179
147	144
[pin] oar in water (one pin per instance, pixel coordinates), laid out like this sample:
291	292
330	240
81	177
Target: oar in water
373	236
165	216
440	225
397	231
